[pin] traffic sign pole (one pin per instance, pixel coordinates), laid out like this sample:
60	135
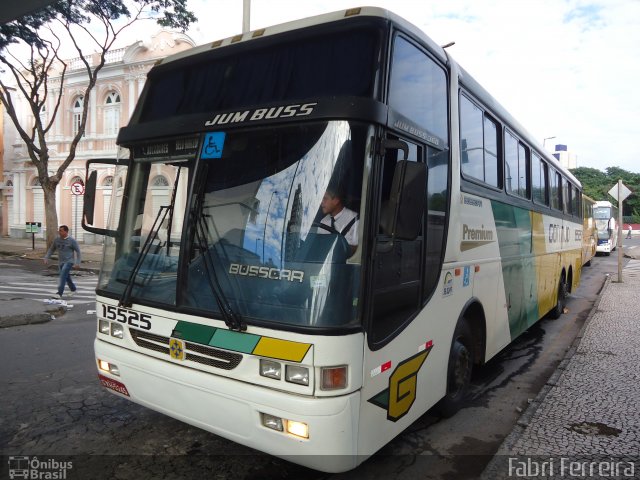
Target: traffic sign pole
620	192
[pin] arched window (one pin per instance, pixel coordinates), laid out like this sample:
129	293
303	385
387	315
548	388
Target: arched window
76	179
35	182
108	181
78	105
112	113
160	181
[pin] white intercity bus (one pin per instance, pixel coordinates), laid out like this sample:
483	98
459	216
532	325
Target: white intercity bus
605	215
228	300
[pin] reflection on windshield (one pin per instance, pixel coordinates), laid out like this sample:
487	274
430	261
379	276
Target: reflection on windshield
258	234
258	245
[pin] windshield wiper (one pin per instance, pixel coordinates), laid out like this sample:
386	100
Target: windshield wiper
125	300
230	317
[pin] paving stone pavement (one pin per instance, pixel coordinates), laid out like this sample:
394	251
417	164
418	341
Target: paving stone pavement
587	417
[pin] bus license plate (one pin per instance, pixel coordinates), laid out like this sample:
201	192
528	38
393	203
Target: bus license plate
113	385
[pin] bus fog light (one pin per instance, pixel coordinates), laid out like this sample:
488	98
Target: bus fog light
117	330
109	367
333	378
274	423
103	327
102	365
299	429
295	374
270	369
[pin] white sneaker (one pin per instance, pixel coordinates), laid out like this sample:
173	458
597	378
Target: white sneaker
71	293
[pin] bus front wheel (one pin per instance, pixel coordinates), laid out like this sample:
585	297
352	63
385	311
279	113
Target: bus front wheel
458	371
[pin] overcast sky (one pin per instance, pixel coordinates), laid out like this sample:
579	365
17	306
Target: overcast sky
568	69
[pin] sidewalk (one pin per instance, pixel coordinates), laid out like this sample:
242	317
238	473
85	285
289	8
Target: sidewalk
22	247
19	312
585	423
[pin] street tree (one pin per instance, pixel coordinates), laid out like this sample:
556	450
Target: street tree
90	28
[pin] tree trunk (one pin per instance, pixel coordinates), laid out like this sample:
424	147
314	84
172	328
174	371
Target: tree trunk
51	214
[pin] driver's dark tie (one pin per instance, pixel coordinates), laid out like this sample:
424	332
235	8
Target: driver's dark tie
333	223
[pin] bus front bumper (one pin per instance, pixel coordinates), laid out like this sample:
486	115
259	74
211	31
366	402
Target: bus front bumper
233	409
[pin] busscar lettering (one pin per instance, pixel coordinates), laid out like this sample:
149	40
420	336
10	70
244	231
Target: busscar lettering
268	273
282	111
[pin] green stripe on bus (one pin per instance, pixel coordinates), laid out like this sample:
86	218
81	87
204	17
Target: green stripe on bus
518	261
193	332
236	341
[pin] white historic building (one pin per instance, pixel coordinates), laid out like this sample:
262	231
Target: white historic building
111	103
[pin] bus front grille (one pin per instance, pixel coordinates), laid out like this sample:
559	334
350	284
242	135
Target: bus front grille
193	351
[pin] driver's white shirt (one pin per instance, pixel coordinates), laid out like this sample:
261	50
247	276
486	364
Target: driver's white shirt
342	219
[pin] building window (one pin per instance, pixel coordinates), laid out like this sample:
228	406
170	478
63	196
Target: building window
112	113
160	181
78	105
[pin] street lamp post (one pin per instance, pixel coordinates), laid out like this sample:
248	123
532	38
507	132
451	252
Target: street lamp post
544	141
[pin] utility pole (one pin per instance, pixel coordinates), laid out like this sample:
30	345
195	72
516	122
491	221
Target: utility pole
246	16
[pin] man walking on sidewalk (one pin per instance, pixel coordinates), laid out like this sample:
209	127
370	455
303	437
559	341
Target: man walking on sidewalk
67	249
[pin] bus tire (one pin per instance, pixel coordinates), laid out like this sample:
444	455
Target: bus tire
459	370
562	298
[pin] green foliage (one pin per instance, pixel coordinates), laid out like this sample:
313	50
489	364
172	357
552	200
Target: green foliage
596	184
168	13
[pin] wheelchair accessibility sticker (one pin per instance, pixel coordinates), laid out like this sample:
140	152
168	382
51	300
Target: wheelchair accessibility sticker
213	145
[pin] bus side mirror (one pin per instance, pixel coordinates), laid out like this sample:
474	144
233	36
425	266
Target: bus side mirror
89	199
88	210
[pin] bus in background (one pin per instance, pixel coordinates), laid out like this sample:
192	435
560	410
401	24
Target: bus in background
606	217
589	231
316	230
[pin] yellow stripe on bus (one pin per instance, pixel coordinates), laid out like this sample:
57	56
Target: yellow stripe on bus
281	349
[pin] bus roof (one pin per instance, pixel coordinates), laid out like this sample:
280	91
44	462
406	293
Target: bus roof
465	78
310	22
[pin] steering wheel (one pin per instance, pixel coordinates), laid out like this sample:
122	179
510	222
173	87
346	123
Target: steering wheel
328	228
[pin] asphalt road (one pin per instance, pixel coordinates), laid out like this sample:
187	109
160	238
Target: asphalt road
52	404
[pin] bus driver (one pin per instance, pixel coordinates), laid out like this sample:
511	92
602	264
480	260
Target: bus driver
339	218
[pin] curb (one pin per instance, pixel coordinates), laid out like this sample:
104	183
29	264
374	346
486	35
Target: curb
495	467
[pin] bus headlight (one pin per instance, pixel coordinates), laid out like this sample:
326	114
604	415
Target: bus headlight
270	369
295	374
117	330
103	327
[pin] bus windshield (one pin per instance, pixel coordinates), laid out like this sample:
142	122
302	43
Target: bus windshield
602	216
256	233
